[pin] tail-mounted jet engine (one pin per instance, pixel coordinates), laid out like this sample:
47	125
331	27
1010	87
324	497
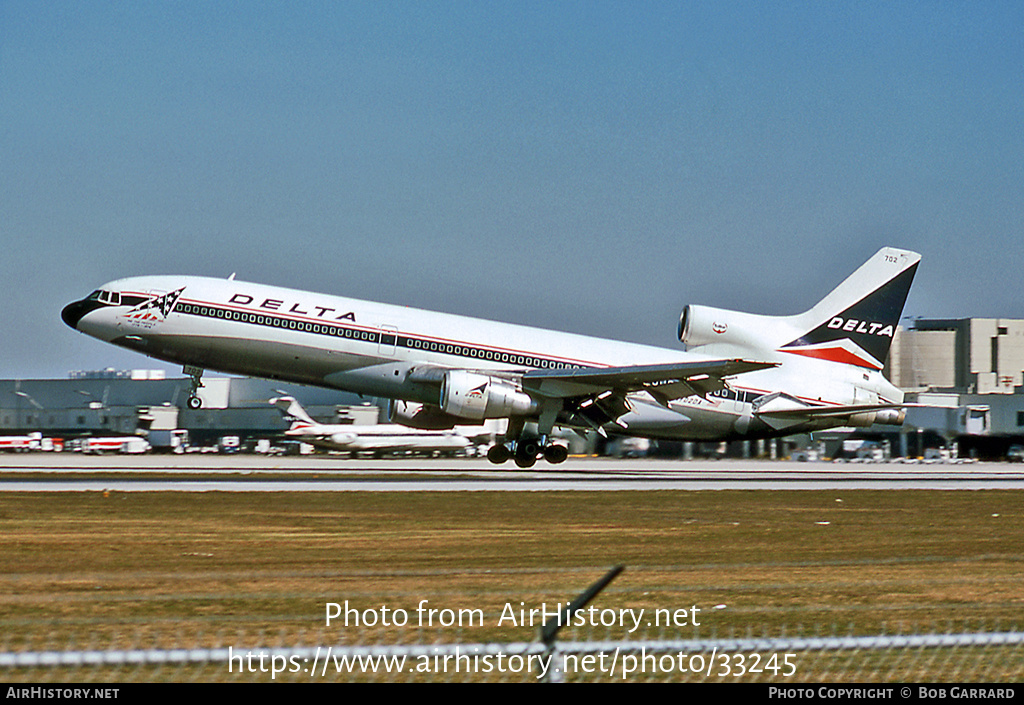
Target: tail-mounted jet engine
469	395
705	325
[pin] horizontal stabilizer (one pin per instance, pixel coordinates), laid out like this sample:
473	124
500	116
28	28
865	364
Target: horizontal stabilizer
780	410
826	411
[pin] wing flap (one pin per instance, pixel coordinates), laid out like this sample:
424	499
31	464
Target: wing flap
665	382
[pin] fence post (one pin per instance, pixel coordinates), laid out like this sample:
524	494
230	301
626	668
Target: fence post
549	630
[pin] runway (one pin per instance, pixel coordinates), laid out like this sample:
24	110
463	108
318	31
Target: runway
244	473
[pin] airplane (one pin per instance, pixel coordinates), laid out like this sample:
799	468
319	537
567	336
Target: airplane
740	376
377	438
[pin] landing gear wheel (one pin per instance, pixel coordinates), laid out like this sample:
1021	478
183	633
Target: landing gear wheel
498	453
196	382
556	454
528	448
526	452
525	461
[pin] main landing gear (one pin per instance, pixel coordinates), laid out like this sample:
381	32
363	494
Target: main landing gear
525	450
196	375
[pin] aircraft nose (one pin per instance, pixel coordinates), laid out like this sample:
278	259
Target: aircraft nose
73	312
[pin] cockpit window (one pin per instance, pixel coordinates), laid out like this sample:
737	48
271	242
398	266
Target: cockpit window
110	298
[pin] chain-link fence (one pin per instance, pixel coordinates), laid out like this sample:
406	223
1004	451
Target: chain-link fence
583	655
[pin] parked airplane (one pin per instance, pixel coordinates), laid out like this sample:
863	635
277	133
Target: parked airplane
743	376
377	438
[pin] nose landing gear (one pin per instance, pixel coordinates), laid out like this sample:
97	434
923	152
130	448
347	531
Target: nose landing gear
196	375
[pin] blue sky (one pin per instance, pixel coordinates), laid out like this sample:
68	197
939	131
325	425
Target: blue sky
587	166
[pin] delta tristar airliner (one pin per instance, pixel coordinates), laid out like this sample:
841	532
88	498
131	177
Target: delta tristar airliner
740	376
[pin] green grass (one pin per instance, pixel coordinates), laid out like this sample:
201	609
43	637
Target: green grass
143	570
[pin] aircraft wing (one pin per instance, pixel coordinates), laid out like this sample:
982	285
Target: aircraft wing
663	382
596	396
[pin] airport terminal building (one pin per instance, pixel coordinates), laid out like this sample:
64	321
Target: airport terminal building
969	356
972	366
122	403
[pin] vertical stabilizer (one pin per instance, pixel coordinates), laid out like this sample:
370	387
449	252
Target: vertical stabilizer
292	410
856	323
